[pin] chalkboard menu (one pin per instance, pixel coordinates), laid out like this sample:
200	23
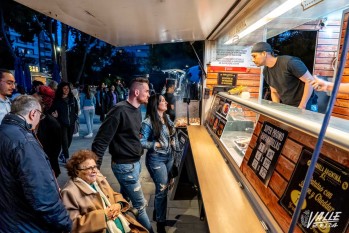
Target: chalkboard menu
326	206
269	145
227	79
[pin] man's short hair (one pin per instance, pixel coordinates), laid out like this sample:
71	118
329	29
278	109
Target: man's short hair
23	104
2	71
261	47
170	84
137	82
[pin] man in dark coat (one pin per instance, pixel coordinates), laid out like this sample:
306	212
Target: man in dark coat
29	195
49	131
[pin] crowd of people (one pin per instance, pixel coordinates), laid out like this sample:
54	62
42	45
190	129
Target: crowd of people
37	128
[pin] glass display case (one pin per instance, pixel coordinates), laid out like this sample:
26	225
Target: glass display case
232	124
185	111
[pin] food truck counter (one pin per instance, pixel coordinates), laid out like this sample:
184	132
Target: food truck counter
337	132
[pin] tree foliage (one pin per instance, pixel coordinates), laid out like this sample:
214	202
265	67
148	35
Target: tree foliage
175	55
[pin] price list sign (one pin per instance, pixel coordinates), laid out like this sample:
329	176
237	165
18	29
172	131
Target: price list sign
326	206
228	79
269	145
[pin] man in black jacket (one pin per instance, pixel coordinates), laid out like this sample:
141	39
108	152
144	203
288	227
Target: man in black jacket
120	131
29	195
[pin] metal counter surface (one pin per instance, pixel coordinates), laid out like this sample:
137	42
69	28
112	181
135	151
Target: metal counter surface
337	132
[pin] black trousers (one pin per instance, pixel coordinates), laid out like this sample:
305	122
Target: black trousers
67	137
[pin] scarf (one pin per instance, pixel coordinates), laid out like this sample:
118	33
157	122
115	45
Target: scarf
112	228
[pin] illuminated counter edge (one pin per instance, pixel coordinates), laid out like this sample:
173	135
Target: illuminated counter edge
337	132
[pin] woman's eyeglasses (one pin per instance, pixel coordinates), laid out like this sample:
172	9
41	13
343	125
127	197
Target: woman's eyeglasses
90	169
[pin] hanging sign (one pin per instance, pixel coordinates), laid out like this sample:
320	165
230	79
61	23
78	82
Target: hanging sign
269	145
326	206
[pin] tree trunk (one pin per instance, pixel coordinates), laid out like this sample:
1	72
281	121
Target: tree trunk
64	42
53	47
84	59
58	57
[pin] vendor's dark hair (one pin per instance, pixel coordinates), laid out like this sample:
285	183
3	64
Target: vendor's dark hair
152	113
78	157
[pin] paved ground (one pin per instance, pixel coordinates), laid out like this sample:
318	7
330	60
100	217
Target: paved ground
183	216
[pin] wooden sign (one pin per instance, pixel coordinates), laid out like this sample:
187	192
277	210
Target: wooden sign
269	145
326	206
228	79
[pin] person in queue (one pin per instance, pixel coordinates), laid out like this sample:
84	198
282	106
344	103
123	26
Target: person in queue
66	109
287	77
156	132
29	196
49	130
7	85
88	106
101	101
120	131
104	212
322	85
171	100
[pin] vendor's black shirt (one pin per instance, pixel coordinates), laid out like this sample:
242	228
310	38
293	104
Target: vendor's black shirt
284	77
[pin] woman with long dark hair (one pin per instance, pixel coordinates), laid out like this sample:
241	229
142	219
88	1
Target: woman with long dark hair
66	106
156	136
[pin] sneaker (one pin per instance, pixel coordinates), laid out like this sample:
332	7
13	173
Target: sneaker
90	135
76	135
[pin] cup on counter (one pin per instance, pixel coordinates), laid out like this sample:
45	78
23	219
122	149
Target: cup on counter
245	95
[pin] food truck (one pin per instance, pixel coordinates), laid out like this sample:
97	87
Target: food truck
248	156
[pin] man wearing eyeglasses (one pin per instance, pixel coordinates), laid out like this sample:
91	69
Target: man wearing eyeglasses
29	195
7	85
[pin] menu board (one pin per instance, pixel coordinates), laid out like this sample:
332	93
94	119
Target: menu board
228	79
269	145
326	206
217	116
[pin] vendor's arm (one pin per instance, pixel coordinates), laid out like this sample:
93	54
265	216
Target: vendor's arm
308	89
274	95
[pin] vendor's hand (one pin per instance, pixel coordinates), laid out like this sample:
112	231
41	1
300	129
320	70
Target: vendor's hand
302	106
319	84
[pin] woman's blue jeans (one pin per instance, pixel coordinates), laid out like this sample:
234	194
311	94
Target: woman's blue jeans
159	166
127	175
89	115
